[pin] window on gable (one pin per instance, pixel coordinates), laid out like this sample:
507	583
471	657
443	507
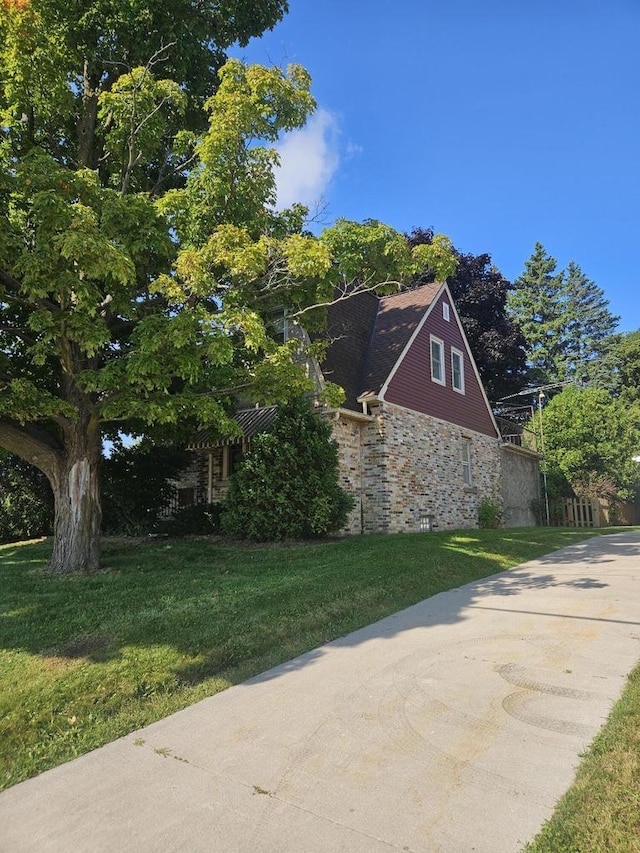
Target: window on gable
466	461
437	361
457	370
445	311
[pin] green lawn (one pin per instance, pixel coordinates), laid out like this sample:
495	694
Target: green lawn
86	659
600	813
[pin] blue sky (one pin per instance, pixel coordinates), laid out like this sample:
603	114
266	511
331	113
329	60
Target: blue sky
498	123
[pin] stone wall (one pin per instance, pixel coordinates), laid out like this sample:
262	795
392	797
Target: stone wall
404	470
348	433
412	473
520	485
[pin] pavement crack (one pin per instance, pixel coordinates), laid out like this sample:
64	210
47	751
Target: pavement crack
341	824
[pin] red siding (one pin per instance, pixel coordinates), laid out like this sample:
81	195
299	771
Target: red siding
413	387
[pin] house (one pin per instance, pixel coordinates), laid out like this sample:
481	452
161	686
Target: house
419	446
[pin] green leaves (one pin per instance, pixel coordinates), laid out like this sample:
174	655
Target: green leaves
287	486
236	184
589	437
141	115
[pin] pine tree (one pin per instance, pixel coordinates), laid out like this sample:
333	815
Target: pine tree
588	322
565	319
536	305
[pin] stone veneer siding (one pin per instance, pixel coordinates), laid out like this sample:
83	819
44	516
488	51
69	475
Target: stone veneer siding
412	467
520	486
347	432
401	465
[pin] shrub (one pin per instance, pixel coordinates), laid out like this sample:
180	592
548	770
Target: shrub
489	515
136	485
26	500
287	486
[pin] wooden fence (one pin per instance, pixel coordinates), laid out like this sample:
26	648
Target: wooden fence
581	512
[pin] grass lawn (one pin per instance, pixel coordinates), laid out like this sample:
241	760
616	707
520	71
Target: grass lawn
86	659
600	813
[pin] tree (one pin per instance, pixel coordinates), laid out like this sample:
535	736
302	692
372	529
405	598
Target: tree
287	486
141	258
588	322
590	440
618	368
535	304
480	293
135	484
564	317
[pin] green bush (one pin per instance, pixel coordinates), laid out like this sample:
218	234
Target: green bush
489	515
26	500
136	485
287	486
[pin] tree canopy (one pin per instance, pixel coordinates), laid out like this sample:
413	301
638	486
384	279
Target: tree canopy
141	256
590	441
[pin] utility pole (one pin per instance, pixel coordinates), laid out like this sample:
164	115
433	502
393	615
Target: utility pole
541	397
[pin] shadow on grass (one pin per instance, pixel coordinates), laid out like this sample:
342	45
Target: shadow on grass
230	611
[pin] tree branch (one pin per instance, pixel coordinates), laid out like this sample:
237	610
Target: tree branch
8	280
34	445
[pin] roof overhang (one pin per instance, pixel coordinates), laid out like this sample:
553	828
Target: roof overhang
250	422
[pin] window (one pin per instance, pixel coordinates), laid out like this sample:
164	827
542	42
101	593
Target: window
280	327
186	496
231	458
437	361
457	370
466	461
445	311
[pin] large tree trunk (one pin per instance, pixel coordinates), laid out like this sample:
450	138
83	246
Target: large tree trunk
76	531
71	466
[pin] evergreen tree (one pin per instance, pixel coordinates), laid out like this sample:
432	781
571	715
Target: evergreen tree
288	485
617	369
565	319
536	306
588	322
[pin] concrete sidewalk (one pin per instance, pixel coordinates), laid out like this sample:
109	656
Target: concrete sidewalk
452	726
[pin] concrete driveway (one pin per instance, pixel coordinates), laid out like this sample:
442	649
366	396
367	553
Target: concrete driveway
452	726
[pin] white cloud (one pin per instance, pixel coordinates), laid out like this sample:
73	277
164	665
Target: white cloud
308	161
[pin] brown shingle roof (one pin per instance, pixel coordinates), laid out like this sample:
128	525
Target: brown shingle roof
368	335
398	318
349	327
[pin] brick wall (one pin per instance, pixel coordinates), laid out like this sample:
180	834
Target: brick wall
348	433
411	470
